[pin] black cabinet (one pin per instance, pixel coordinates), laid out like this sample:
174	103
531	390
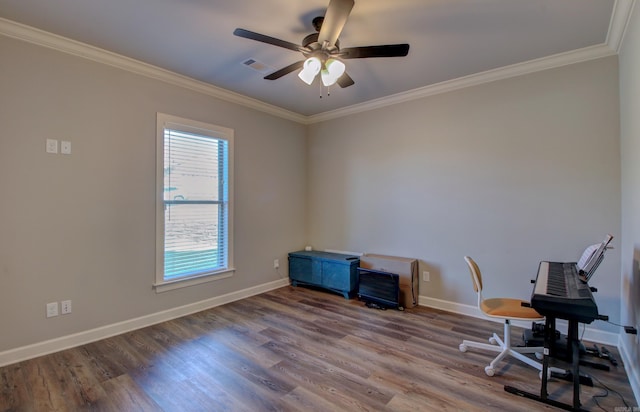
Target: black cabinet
333	271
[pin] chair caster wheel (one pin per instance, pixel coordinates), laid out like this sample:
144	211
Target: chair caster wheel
548	375
462	347
489	371
493	341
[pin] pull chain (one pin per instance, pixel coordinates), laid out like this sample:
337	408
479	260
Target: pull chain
328	91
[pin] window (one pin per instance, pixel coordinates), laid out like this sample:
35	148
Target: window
193	212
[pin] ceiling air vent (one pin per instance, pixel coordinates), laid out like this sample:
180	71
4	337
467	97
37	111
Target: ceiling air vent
258	66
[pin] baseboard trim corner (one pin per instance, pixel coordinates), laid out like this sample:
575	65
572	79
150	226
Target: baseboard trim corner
632	373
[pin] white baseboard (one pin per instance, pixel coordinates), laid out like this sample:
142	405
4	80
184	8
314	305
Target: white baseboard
633	374
65	342
590	334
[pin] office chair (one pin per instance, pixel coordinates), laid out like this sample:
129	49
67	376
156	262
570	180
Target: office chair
506	309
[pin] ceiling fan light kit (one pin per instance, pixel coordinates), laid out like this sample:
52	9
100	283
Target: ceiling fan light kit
332	71
310	69
322	49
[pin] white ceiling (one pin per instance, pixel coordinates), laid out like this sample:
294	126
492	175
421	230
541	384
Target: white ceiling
449	39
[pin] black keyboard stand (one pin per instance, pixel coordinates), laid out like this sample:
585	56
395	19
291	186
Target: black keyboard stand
573	354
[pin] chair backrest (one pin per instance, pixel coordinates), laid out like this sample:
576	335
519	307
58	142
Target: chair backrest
476	277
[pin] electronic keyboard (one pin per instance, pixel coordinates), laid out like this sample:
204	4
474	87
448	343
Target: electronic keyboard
559	292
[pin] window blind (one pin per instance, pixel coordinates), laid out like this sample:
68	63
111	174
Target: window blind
195	204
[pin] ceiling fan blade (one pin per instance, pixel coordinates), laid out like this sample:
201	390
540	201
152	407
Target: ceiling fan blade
334	20
345	80
268	39
388	50
285	70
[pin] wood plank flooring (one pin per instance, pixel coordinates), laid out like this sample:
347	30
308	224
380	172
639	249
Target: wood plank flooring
293	349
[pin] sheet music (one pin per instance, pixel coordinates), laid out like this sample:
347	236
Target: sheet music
595	259
586	255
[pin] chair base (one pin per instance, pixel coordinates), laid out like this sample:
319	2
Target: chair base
504	349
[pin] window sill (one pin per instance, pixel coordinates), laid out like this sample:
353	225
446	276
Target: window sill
192	281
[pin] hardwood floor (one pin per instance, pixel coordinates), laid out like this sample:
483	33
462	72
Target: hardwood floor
292	349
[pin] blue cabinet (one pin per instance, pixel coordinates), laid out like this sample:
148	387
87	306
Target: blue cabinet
333	271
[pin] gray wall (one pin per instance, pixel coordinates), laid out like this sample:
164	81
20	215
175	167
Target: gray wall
81	227
510	172
630	138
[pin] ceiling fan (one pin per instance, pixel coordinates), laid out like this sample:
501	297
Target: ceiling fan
322	49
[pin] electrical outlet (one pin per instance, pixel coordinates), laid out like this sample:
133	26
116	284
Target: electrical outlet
65	147
52	309
425	276
276	263
65	307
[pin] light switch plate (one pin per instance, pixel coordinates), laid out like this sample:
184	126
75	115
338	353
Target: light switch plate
52	309
52	146
65	147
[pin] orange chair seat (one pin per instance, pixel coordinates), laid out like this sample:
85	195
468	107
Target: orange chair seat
508	308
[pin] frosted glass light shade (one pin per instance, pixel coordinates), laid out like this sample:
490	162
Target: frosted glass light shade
332	72
310	69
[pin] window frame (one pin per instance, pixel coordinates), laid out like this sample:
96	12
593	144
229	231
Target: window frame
166	121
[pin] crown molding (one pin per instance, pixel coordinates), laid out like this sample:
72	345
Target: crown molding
519	69
42	38
620	15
